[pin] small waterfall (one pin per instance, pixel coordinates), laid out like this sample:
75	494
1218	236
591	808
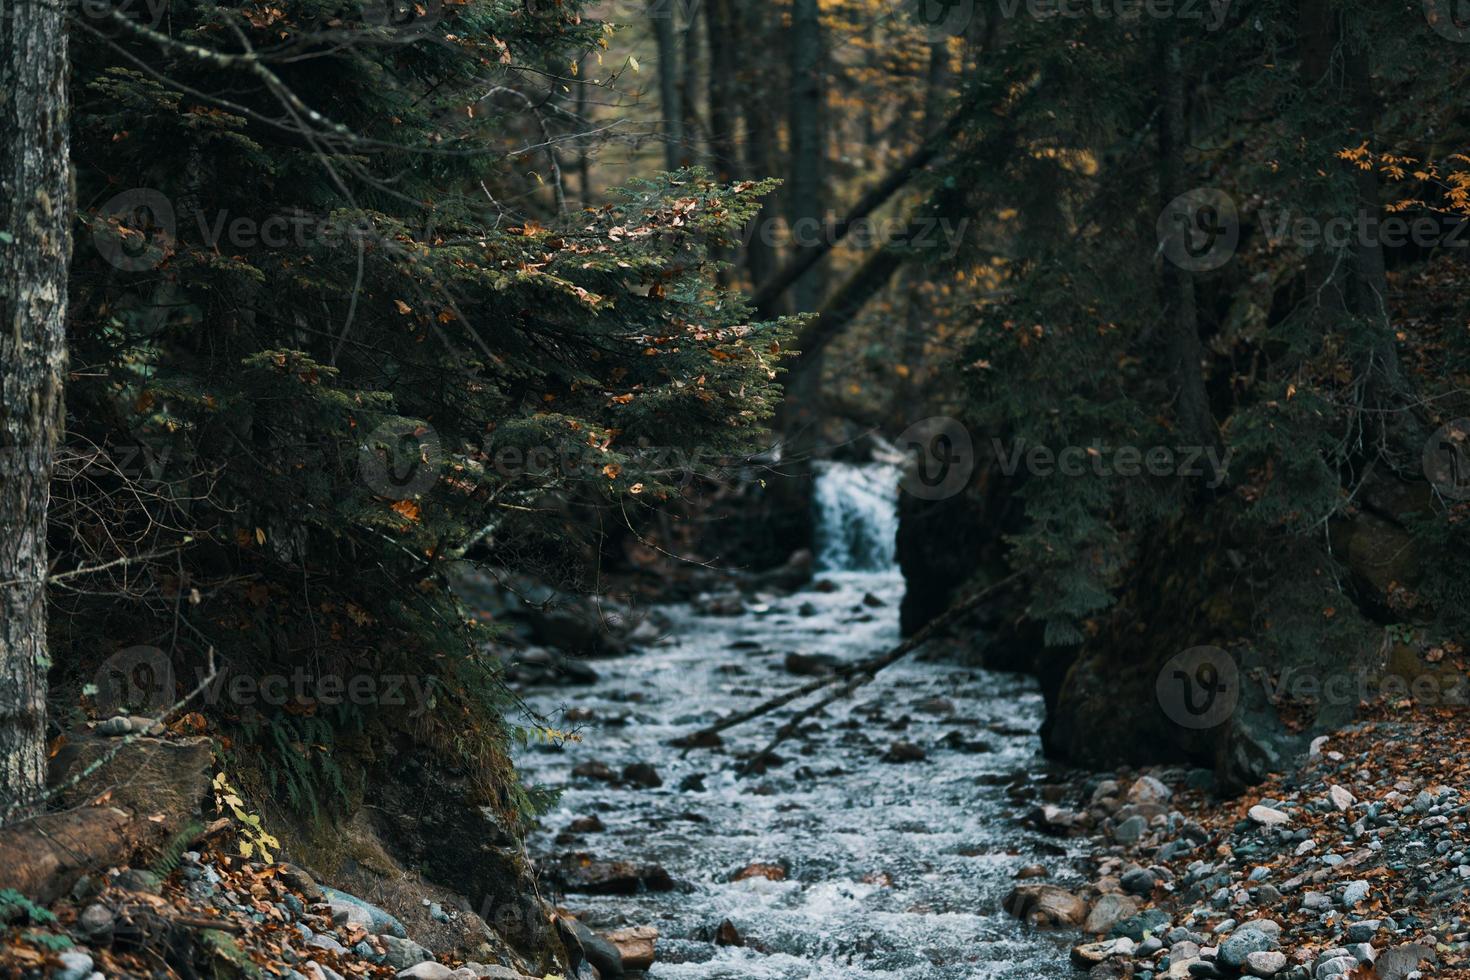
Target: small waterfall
856	516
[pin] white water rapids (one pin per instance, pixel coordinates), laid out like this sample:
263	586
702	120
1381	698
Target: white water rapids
896	870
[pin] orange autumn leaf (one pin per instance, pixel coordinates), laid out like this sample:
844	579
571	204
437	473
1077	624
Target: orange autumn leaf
407	508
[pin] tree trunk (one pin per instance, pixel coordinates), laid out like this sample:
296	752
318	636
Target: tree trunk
807	144
1184	353
723	43
760	126
668	83
688	79
35	221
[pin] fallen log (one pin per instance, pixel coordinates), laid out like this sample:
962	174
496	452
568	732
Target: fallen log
858	673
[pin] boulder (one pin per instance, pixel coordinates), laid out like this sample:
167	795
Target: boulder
601	953
1045	906
635	945
401	953
586	874
148	777
1107	912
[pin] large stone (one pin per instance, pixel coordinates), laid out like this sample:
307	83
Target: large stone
1268	817
1264	963
1240	944
598	951
586	874
403	953
1108	911
1045	906
636	946
162	780
1147	789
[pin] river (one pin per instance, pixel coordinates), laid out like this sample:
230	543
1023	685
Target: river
895	870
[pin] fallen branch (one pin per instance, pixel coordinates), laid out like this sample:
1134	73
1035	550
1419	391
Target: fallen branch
860	672
769	291
790	728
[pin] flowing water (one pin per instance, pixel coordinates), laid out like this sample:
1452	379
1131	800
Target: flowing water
895	870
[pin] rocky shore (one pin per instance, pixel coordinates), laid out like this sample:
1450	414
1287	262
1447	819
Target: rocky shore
1353	864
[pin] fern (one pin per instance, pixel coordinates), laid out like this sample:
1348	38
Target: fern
13	905
174	850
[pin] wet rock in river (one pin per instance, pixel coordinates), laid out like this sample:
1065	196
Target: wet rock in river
587	825
635	946
583	873
727	935
1045	906
642	774
957	741
900	752
1053	819
594	769
758	869
935	706
811	664
601	953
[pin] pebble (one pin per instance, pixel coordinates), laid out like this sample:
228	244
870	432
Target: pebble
75	965
1355	892
1265	963
1267	816
1240	944
1139	881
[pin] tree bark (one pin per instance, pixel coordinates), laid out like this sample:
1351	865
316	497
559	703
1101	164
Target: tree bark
35	219
668	83
758	111
1184	352
807	147
724	41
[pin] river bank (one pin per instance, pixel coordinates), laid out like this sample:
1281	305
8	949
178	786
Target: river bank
1352	864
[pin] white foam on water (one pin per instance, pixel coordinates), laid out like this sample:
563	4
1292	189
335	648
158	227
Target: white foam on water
882	883
856	516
